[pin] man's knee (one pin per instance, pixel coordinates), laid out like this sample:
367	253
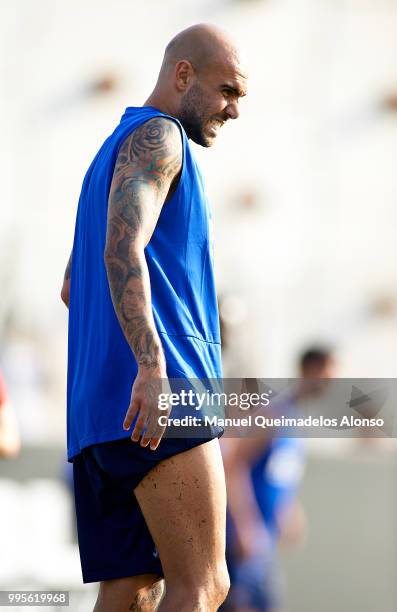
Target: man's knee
221	585
205	593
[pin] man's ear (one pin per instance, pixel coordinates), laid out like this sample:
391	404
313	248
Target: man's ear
184	72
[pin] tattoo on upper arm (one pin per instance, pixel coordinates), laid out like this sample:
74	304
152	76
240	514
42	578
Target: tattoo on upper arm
147	163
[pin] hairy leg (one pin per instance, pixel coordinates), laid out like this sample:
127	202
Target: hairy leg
183	500
133	594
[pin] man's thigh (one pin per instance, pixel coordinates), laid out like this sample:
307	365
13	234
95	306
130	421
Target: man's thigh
183	500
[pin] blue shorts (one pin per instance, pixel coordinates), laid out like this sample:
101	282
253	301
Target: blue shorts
114	540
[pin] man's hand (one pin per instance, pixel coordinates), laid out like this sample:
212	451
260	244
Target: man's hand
144	403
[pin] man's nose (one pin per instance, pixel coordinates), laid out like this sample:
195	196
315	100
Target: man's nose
232	110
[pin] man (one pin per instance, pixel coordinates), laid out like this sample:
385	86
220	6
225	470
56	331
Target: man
263	476
143	308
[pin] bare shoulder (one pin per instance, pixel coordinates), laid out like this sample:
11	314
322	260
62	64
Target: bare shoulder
158	133
154	149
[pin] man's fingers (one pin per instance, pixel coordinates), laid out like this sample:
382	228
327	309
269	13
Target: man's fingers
157	436
154	431
150	429
139	425
130	414
146	425
154	442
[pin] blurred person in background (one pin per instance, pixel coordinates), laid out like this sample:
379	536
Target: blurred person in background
10	442
139	312
263	475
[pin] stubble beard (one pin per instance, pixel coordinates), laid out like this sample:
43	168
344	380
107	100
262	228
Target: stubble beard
191	115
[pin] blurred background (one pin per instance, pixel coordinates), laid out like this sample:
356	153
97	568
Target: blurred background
304	191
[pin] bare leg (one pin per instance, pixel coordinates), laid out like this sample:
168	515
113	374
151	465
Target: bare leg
183	500
136	594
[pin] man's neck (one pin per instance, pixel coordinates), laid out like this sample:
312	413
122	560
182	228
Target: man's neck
157	102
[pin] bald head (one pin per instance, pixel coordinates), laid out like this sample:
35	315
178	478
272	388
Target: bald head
201	45
201	81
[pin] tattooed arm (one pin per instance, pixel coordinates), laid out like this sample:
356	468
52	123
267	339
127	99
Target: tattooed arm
65	291
147	167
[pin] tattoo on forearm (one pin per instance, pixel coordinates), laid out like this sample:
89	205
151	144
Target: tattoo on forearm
147	163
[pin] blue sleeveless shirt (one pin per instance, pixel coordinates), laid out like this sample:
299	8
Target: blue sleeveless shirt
101	365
